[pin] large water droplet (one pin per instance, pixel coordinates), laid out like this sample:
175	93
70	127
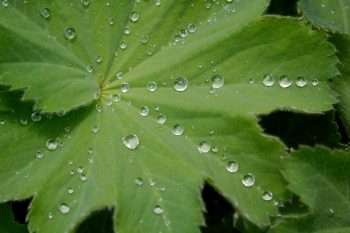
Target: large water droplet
180	84
268	80
45	12
64	208
285	81
248	180
158	210
161	119
301	82
51	144
204	147
232	166
267	196
152	86
178	130
134	16
144	111
124	87
217	81
69	33
131	141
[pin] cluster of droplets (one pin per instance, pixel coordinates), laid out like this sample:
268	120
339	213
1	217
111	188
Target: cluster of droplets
285	81
183	33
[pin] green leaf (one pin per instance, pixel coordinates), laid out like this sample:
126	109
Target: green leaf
329	14
342	84
7	223
231	40
320	177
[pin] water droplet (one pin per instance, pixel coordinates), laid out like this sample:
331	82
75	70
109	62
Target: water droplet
80	170
83	177
151	182
157	2
69	33
110	21
98	59
95	129
85	3
285	81
139	181
39	154
152	86
232	166
331	212
89	68
134	16
178	130
51	144
215	149
161	119
183	33
144	39
116	98
90	150
36	116
192	28
204	147
98	108
131	141
45	12
314	82
70	190
2	122
119	75
217	81
24	121
267	196
123	45
158	210
268	80
248	180
50	215
301	82
124	87
144	111
180	84
127	30
64	208
5	3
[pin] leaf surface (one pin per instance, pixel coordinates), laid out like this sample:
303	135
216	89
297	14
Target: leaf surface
320	178
155	186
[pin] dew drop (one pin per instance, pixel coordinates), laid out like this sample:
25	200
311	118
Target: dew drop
80	170
2	122
98	108
124	87
217	81
123	45
144	39
89	68
50	215
116	98
119	75
158	210
301	82
85	3
5	3
95	129
64	208
139	181
83	177
192	28
144	111
178	130
45	12
110	21
161	119
204	147
69	33
248	180
134	16
51	144
127	31
285	82
331	212
232	166
98	59
24	122
70	190
267	196
36	116
152	86
39	154
268	80
314	82
131	141
180	84
183	33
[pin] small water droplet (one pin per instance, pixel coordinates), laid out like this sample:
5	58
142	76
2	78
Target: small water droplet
134	16
89	68
152	86
157	2
314	82
232	166
180	84
248	180
45	12
24	122
39	154
331	212
183	33
192	28
178	130
301	82
85	3
158	210
98	59
83	177
95	129
127	30
69	33
98	108
285	81
116	98
124	87
64	208
131	141
144	39
70	190
50	215
2	122
110	21
144	111
5	3
123	45
51	144
139	181
268	80
119	75
204	147
90	150
36	116
80	170
267	196
217	81
161	119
